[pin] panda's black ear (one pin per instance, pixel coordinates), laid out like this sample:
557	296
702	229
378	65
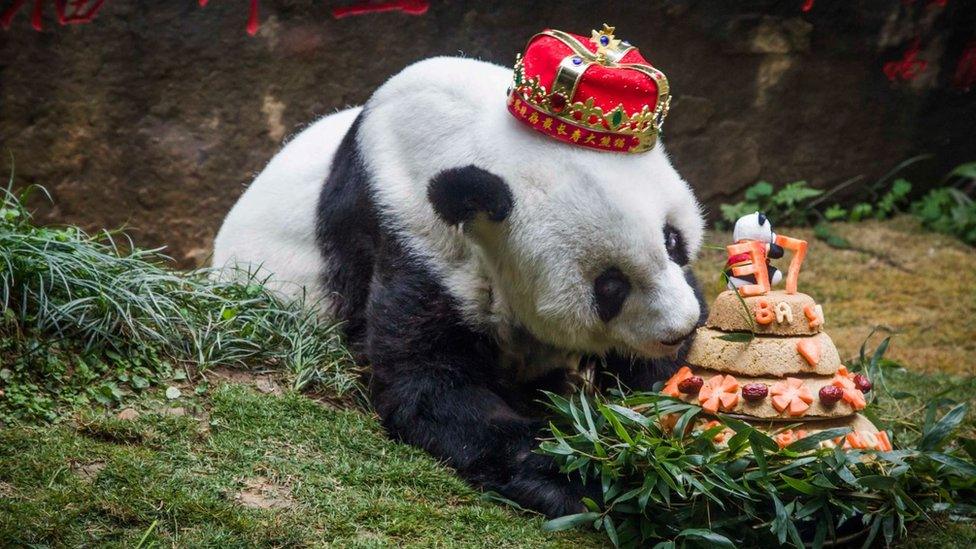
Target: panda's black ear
458	194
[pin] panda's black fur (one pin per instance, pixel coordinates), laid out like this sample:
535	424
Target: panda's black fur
436	382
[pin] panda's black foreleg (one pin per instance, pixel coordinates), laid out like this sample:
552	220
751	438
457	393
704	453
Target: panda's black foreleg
435	384
476	432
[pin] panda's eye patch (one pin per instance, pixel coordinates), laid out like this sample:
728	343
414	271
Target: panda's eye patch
610	290
675	245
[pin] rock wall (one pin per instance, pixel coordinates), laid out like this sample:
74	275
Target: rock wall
156	115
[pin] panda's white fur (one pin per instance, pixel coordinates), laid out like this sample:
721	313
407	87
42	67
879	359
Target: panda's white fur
270	231
576	211
464	318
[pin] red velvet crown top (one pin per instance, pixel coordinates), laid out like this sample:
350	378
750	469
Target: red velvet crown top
597	92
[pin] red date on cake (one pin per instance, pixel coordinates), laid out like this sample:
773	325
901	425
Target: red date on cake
831	394
863	383
755	391
691	385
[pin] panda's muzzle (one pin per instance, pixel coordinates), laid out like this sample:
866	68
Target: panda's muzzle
679	340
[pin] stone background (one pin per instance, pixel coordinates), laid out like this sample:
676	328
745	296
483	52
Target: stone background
157	114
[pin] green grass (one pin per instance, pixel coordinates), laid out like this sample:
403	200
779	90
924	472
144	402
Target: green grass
86	319
336	478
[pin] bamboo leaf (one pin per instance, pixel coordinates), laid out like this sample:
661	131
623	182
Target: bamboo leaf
738	337
630	414
713	539
682	424
877	482
800	485
618	427
569	521
611	531
810	442
955	465
935	436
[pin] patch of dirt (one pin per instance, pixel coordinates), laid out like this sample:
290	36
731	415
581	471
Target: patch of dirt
259	493
262	381
233	375
331	400
88	471
7	490
127	414
203	427
267	385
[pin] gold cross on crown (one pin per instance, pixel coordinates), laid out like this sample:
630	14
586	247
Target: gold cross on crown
604	40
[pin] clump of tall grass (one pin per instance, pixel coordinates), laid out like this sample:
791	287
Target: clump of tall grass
86	308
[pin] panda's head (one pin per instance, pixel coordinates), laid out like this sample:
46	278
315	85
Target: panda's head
587	250
754	226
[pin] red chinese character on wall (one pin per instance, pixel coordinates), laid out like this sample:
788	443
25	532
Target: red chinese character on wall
965	75
69	12
409	7
908	67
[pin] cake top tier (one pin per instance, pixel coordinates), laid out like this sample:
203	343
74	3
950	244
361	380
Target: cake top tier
774	313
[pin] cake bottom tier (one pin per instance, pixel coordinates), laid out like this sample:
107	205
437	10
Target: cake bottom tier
766	407
863	435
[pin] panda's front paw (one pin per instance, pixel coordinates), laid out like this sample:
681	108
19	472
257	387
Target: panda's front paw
538	485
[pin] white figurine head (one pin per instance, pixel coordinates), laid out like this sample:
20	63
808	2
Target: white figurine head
754	226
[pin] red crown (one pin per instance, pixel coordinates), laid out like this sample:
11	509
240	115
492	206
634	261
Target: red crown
597	92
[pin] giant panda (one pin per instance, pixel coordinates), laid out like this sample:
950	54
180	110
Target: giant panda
473	262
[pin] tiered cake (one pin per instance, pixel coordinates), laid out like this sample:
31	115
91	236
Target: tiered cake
764	358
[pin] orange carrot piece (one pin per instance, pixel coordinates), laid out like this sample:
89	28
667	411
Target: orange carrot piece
671	387
814	314
788	437
764	312
791	396
855	398
799	249
757	266
719	392
809	349
884	443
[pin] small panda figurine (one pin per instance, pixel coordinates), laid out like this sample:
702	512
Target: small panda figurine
754	226
474	262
